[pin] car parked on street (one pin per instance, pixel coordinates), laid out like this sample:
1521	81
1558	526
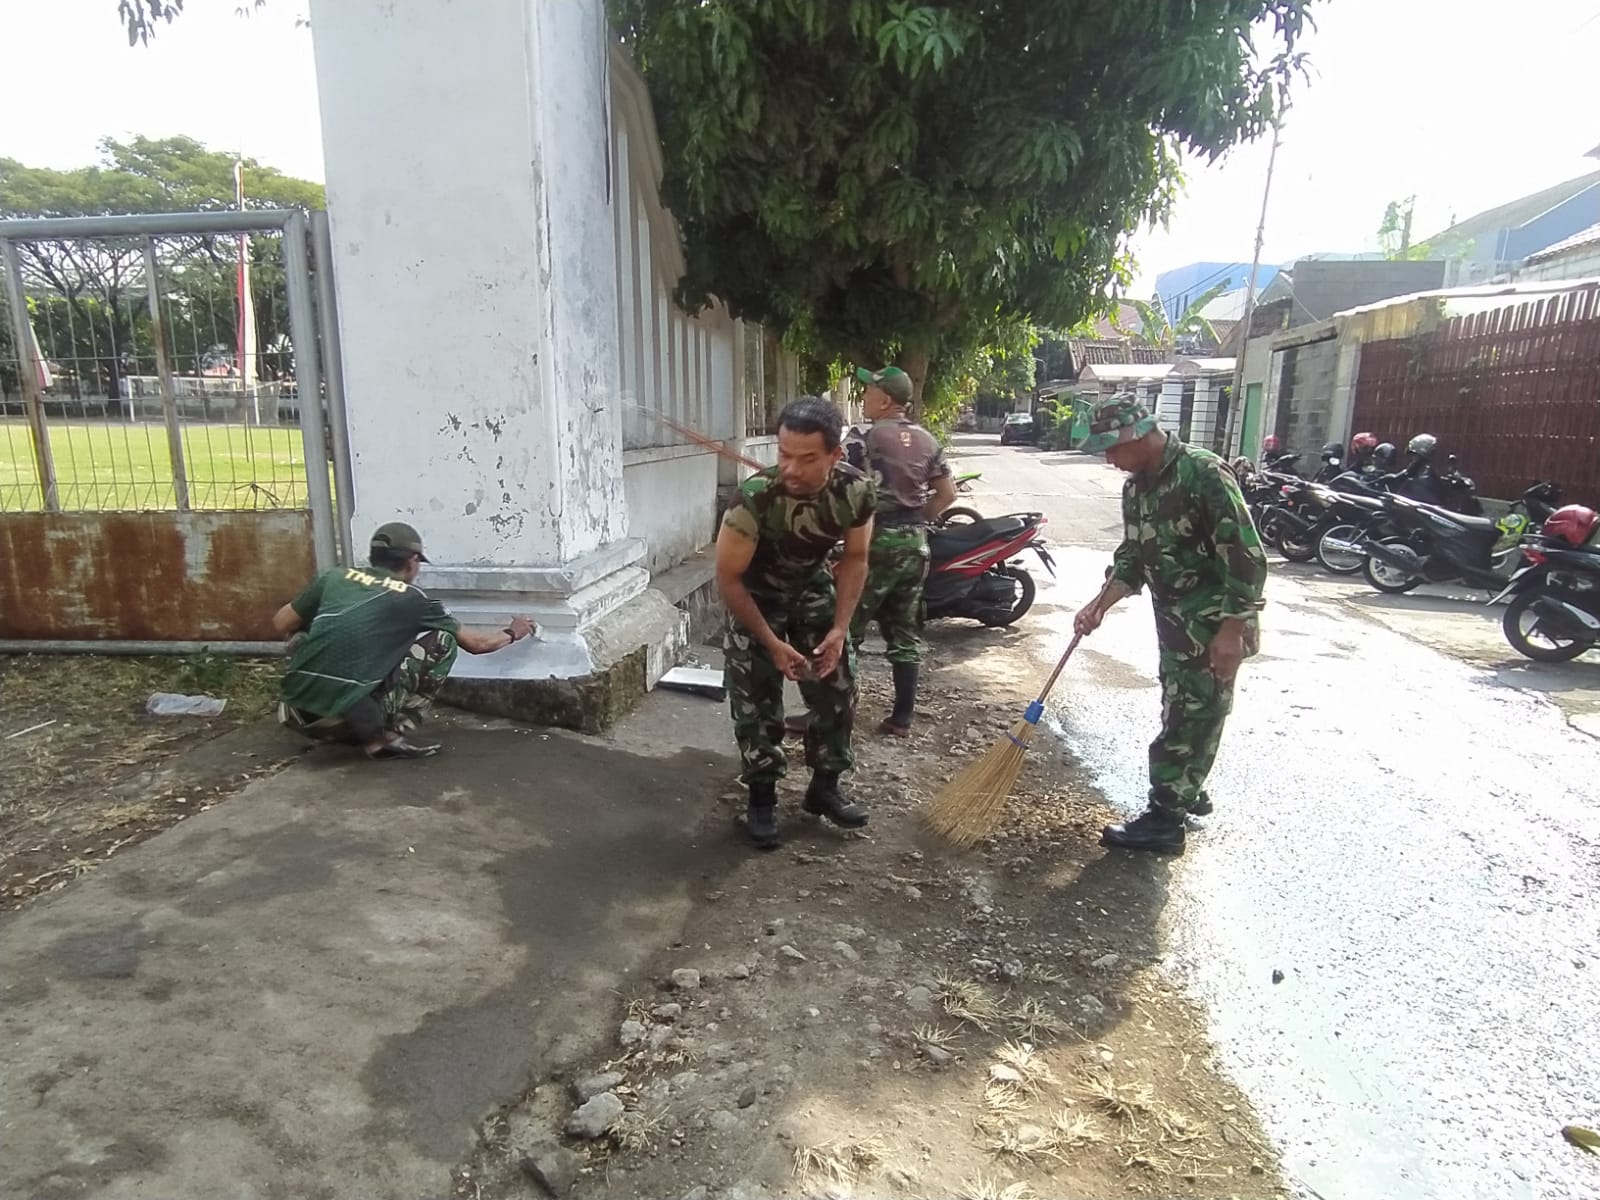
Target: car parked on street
1019	428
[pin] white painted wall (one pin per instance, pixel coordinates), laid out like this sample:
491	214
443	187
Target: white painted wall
672	501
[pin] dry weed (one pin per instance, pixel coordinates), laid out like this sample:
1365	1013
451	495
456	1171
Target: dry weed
837	1161
934	1035
984	1188
968	1001
1033	1021
638	1131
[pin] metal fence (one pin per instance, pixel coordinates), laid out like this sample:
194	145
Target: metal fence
1514	393
162	378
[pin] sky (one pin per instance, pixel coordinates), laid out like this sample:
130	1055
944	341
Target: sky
1463	103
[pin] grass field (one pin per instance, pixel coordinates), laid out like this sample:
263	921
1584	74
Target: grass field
105	465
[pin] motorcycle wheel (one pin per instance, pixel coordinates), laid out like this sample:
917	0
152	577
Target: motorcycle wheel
1026	589
1386	578
1293	548
1269	527
1340	562
1557	649
959	515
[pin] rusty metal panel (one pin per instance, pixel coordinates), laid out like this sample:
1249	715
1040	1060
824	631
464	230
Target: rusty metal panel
151	576
1514	393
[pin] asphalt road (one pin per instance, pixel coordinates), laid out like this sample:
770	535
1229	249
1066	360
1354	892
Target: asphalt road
1412	839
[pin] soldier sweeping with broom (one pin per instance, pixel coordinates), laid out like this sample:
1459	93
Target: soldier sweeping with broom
1188	534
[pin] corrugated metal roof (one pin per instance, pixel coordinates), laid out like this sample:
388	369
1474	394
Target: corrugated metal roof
1579	240
1517	212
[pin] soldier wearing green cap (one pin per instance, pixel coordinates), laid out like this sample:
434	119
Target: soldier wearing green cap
914	486
1188	535
369	647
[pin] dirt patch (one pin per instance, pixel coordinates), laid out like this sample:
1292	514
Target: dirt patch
876	1015
87	772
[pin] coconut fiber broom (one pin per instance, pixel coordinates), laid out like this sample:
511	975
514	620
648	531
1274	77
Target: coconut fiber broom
971	804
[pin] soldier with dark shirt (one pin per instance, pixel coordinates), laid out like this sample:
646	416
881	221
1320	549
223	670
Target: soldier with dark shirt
789	617
369	647
914	484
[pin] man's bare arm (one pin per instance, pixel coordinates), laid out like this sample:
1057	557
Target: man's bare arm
488	643
850	577
286	620
944	495
734	554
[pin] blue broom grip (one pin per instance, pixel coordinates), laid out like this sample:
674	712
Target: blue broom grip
1035	711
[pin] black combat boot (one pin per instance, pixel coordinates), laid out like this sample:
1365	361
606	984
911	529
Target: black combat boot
898	723
826	799
761	820
1155	829
1202	806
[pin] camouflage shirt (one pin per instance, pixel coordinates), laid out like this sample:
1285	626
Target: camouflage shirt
793	535
902	459
1188	534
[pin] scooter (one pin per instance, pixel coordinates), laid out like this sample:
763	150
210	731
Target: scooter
1555	598
974	571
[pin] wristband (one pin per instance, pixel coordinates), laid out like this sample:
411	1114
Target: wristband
509	634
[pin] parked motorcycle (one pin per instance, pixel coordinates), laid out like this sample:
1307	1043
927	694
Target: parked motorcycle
1435	545
974	571
1555	597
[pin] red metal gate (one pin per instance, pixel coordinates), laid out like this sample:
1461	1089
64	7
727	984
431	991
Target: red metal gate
1514	393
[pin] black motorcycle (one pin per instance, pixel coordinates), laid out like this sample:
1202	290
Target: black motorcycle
1555	597
1435	545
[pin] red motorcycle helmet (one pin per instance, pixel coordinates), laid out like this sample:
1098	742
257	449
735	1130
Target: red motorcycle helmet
1270	444
1363	442
1572	523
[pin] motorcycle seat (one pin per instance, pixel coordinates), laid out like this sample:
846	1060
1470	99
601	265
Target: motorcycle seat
1480	524
956	538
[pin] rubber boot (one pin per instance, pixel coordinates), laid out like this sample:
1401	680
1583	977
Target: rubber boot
826	799
761	820
898	723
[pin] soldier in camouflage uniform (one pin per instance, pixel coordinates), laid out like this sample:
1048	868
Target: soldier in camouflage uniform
1188	534
786	620
907	465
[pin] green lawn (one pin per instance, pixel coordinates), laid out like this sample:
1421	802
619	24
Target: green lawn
102	465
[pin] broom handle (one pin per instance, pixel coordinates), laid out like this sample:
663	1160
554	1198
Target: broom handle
1060	666
1036	709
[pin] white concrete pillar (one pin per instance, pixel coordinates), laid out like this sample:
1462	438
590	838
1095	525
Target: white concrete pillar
471	193
1203	416
1169	409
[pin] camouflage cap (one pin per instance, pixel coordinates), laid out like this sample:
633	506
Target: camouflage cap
1120	418
397	535
894	382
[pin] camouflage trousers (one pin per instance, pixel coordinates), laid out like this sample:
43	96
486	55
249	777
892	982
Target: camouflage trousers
1194	707
755	688
896	572
404	696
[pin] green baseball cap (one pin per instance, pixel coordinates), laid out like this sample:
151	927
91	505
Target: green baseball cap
397	535
892	380
1117	419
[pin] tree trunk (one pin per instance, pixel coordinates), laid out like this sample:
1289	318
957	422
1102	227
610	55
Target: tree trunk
914	360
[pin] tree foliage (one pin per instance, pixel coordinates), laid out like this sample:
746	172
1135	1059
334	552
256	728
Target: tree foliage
88	296
1191	327
912	180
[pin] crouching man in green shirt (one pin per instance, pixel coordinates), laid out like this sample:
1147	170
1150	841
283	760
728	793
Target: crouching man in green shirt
370	649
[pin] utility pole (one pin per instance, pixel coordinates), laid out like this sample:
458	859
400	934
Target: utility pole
1236	400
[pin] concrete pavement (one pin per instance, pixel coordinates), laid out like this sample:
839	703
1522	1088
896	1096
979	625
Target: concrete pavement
1412	838
320	987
